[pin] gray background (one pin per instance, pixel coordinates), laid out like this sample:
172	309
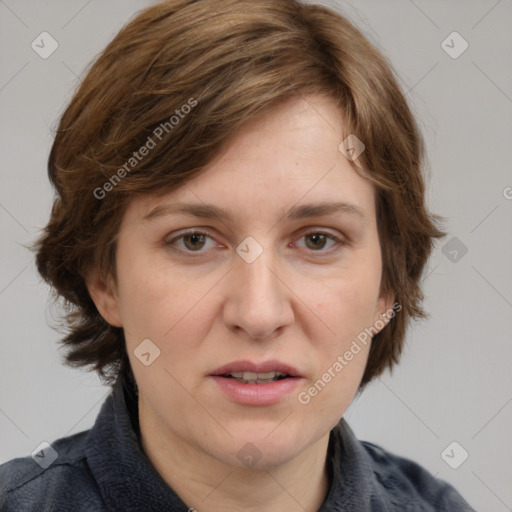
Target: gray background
454	383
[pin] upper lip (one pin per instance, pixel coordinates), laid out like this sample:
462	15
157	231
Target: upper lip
263	367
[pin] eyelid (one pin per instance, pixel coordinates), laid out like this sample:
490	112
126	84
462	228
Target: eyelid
340	241
169	241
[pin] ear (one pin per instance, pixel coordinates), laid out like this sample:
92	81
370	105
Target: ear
103	293
385	310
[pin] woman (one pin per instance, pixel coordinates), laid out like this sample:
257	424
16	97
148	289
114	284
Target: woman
239	232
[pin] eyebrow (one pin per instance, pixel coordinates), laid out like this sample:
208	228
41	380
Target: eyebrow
297	212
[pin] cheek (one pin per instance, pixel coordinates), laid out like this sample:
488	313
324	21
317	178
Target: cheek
347	308
347	313
149	296
162	302
346	301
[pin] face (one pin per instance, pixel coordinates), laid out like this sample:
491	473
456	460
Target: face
268	261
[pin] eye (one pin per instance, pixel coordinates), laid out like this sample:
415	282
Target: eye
192	241
317	241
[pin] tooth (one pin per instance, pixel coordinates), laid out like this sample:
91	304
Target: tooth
253	377
268	375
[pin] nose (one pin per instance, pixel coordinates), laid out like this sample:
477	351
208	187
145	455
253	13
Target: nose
258	301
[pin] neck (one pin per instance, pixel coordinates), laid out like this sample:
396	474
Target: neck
208	484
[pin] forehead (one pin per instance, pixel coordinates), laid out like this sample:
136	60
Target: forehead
286	157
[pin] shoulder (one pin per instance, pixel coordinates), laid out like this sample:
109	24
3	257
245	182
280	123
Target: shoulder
57	476
407	482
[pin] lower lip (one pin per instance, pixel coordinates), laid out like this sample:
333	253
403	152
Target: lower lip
257	394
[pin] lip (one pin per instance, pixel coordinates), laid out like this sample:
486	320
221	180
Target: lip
256	394
263	367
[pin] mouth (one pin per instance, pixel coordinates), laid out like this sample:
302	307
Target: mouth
256	378
257	384
248	372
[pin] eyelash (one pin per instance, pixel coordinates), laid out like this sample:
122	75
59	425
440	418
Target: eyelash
339	243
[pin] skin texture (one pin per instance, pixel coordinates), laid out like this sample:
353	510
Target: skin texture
205	306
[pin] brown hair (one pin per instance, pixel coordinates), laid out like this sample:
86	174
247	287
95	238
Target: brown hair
227	61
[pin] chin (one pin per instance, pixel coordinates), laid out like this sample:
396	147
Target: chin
261	445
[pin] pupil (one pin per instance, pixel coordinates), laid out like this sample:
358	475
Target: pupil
318	240
197	241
